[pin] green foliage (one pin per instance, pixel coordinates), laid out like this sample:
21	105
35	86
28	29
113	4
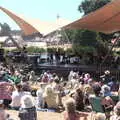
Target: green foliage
51	50
35	50
68	35
13	50
61	50
5	29
83	50
102	48
85	38
88	6
69	51
54	50
82	37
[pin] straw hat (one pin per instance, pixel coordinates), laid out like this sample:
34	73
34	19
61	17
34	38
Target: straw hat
27	101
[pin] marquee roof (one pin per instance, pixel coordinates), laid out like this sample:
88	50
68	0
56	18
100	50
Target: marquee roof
31	26
24	25
105	19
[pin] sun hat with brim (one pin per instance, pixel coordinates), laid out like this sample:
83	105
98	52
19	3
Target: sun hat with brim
27	101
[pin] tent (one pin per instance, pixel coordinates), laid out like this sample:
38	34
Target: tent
105	19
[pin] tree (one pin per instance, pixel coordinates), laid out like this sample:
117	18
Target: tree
85	38
88	6
5	29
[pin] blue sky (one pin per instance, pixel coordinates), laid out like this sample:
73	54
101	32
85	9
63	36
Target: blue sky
45	10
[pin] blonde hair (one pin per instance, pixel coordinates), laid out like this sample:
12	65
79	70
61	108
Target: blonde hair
99	116
70	105
48	91
88	89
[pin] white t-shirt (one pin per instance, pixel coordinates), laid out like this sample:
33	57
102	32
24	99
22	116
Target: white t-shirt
16	98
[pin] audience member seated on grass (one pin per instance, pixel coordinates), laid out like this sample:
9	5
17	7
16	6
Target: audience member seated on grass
87	91
107	101
106	78
39	99
27	110
107	104
55	76
70	112
114	85
45	78
26	86
56	85
50	98
79	100
3	114
116	115
74	81
97	89
16	97
32	76
70	76
86	78
5	93
106	91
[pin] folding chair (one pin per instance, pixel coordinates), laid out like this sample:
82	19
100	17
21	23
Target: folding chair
115	98
96	104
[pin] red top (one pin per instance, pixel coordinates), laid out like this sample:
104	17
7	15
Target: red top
5	93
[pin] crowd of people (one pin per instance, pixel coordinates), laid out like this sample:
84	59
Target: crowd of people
78	96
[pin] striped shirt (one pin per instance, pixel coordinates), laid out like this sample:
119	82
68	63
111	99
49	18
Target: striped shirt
5	93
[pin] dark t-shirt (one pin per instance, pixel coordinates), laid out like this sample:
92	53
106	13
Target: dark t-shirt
28	113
